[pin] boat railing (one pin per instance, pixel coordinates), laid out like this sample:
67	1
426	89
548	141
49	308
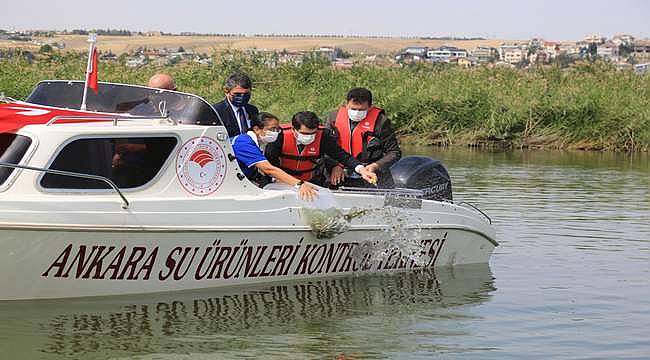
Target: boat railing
406	198
6	99
400	197
113	118
400	192
475	208
109	182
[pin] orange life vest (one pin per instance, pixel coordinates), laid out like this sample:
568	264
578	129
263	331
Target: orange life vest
352	141
304	164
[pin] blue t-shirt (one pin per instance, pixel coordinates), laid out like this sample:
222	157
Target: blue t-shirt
247	152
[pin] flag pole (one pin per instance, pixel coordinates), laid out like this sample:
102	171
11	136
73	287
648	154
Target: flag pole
92	39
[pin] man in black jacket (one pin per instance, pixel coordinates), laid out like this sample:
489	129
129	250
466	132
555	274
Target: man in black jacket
364	131
300	148
234	110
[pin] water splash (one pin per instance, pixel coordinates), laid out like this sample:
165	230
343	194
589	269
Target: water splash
401	235
325	224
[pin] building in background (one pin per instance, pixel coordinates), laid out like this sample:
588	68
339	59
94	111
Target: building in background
444	53
608	51
484	54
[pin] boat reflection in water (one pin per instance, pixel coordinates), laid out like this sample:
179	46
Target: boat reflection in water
307	318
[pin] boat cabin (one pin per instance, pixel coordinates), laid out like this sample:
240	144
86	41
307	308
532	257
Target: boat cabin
130	139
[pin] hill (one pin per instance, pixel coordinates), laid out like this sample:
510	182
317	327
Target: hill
208	44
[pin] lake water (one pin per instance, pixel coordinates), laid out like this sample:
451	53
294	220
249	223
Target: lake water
571	280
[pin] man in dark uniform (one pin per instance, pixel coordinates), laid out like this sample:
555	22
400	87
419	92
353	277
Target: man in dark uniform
235	111
300	148
364	131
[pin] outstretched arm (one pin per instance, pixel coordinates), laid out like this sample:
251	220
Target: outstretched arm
306	190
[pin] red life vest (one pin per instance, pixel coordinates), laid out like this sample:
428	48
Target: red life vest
352	141
301	165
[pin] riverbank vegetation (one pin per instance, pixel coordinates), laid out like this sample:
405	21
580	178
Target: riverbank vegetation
588	106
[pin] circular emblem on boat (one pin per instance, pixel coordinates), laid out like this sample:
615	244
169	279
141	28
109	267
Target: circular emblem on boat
201	166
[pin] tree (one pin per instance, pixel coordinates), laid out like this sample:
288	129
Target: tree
592	50
47	48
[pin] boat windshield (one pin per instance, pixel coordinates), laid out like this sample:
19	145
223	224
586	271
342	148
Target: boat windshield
129	99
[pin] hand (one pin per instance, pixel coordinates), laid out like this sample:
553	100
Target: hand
337	176
307	192
368	175
374	167
116	161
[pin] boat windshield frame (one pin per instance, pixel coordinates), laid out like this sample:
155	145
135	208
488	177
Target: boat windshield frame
136	100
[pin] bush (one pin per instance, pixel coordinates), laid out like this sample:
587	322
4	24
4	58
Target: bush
591	103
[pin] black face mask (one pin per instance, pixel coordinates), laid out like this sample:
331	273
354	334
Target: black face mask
240	100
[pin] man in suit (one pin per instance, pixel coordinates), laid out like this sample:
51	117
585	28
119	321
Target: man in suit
235	111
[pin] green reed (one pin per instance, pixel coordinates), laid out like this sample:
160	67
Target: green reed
590	105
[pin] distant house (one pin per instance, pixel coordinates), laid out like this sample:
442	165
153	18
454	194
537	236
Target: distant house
484	54
290	57
641	49
466	61
327	52
108	56
569	48
536	43
341	64
135	62
161	61
513	53
540	57
641	68
415	51
593	38
551	49
608	51
444	53
623	39
412	54
203	61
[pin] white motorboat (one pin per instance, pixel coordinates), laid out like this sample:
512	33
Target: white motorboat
141	194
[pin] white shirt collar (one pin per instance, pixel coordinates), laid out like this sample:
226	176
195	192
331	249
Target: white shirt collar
236	112
233	107
254	136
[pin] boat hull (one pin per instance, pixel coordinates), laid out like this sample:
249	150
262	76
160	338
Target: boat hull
62	263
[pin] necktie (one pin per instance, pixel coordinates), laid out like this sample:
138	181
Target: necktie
243	124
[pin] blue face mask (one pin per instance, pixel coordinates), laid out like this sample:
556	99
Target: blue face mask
240	100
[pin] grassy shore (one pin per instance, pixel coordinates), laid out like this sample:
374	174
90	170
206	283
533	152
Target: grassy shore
589	106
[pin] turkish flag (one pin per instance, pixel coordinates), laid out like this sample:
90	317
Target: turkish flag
92	73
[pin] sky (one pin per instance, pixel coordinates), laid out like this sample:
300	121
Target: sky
548	19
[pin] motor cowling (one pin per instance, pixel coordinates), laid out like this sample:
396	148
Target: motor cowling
425	174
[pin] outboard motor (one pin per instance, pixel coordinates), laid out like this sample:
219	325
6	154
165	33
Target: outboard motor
425	174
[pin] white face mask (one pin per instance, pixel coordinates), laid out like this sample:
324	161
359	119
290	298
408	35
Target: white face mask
357	115
270	136
305	139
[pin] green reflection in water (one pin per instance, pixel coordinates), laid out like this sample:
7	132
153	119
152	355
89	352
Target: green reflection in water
308	318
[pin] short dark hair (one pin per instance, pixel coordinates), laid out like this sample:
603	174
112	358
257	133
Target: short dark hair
238	79
360	95
307	118
261	119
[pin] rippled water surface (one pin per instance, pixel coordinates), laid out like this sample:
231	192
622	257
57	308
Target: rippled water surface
571	279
